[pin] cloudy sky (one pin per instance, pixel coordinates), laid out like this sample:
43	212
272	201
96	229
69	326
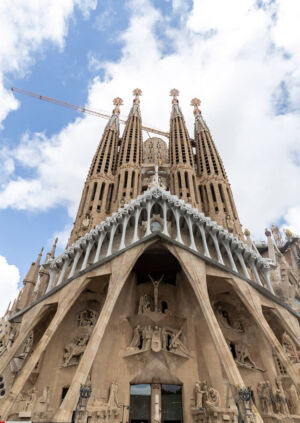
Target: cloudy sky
241	58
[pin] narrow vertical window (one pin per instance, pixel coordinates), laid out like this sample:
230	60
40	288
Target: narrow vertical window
94	191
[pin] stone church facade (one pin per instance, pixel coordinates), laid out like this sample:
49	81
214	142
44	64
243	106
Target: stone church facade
161	309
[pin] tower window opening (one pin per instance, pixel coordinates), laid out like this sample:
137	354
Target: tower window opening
179	180
206	199
118	185
132	179
213	192
94	191
125	179
110	193
186	178
201	194
101	191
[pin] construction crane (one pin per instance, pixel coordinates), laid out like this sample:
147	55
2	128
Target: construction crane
82	109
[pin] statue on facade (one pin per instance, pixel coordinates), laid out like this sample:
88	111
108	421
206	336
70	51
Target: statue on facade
293	400
243	356
264	392
144	304
136	339
74	350
280	403
87	317
289	347
225	321
205	395
155	291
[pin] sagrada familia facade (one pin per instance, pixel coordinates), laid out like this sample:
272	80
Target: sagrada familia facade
161	309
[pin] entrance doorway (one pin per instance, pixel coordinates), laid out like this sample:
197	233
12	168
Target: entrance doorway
159	402
140	403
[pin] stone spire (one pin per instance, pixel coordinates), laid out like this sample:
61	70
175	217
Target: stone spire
130	155
29	283
182	180
97	195
213	185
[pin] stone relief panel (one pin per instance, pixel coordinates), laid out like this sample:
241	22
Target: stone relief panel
280	399
290	348
157	339
206	405
227	321
74	349
17	362
108	411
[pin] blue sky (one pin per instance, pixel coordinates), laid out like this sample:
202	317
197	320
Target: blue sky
240	58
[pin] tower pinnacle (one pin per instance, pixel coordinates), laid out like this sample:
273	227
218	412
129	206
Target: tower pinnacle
214	188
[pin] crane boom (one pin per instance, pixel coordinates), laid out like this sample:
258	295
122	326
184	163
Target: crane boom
81	109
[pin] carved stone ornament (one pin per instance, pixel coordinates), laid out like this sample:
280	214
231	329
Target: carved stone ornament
109	410
74	350
155	338
226	321
17	362
264	392
289	347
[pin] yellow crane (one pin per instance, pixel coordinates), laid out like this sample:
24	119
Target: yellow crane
81	109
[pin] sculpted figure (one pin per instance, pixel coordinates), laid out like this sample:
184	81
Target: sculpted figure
147	337
74	350
205	395
294	400
280	403
136	338
87	318
156	339
177	345
198	395
289	347
113	396
155	289
243	356
144	304
264	392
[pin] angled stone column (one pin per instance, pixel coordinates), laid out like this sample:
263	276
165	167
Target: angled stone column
120	270
136	225
254	307
32	360
91	242
53	270
124	228
66	260
99	245
76	259
194	269
165	209
204	242
190	226
177	219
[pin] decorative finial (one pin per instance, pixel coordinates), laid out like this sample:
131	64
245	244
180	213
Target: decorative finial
174	93
196	103
53	248
117	102
137	92
247	232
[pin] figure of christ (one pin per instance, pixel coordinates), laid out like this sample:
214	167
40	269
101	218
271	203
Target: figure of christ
155	291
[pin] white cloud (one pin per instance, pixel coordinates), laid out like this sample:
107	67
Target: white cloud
235	61
9	279
25	26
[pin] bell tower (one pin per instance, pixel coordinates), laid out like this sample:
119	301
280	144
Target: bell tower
130	156
182	181
96	199
213	185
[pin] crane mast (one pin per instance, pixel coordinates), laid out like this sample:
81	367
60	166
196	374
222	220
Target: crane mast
82	109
